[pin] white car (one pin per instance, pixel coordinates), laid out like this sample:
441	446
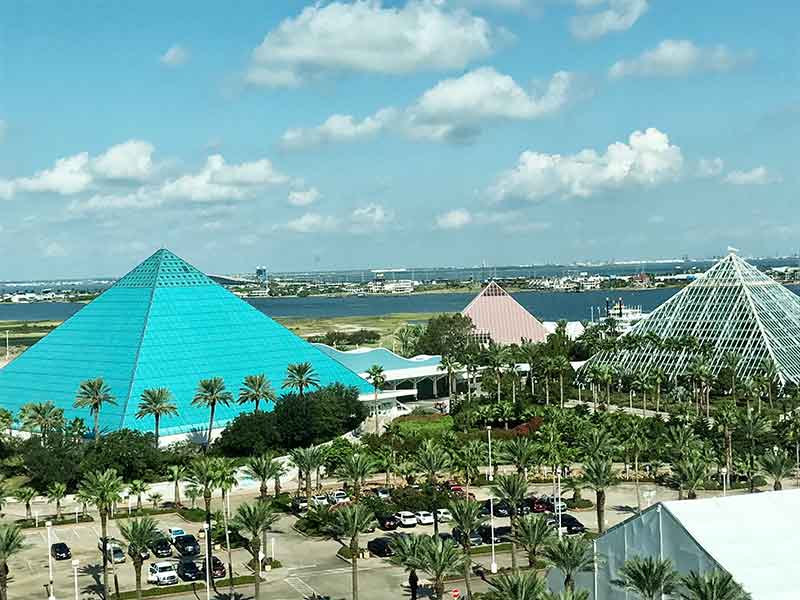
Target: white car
339	497
424	517
444	515
406	518
319	500
554	502
174	532
383	494
162	573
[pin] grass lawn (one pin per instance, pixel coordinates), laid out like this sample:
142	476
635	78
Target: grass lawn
425	424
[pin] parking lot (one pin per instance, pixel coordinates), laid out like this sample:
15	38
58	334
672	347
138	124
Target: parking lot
310	565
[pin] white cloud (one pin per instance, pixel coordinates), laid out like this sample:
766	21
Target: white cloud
618	15
677	58
453	110
647	159
53	250
755	176
710	167
304	197
454	219
68	176
366	36
130	160
372	217
311	223
175	56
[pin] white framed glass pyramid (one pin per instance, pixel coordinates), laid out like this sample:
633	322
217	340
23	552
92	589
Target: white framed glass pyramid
733	308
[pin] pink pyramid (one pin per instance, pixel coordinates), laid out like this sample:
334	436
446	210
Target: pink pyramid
501	319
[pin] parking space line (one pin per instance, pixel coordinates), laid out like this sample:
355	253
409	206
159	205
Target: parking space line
300	586
30	568
75	533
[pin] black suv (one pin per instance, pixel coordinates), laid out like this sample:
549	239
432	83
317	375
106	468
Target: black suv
189	571
380	547
475	538
387	522
160	548
187	545
572	524
501	534
60	551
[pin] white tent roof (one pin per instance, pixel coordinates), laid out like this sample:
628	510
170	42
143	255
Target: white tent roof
752	536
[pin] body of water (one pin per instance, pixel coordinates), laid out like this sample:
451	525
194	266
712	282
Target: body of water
547	306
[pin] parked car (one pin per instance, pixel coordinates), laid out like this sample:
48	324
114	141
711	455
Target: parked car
486	508
424	517
380	547
319	500
406	518
501	534
144	553
187	545
162	573
475	538
174	532
536	505
114	550
444	515
60	551
383	493
502	509
217	568
189	571
555	505
446	536
338	497
161	548
387	522
572	524
299	504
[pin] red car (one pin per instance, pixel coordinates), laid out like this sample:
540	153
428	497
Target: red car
537	505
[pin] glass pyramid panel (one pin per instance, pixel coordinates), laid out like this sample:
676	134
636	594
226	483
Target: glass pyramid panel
732	308
164	324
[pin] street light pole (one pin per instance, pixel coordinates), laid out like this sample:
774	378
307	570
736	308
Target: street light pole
558	503
75	564
490	475
724	472
493	566
208	562
49	525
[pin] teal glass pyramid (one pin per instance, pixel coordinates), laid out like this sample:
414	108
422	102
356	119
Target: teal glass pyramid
164	324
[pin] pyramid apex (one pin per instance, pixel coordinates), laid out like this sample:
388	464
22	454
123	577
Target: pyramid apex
164	268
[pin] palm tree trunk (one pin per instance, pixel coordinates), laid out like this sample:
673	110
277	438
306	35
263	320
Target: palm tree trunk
600	505
104	534
375	409
277	486
569	583
4	581
561	385
177	493
256	544
210	425
354	564
138	569
658	397
158	418
96	425
547	390
207	500
467	568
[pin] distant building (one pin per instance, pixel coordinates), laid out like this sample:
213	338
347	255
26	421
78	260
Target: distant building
262	275
501	319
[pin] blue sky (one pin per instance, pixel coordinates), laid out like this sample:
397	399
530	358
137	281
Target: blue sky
358	134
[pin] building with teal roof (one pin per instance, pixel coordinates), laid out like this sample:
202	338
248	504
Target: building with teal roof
164	324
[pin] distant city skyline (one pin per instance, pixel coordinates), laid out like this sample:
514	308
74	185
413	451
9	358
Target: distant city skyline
355	135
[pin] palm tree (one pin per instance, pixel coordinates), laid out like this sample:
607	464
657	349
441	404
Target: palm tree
377	378
56	492
211	392
25	495
467	517
193	493
777	465
793	436
103	489
691	472
11	542
260	468
155	499
440	559
138	487
255	389
156	403
752	428
517	586
521	452
176	473
715	585
533	533
770	376
452	366
431	459
511	489
349	523
408	554
251	521
658	376
571	555
356	469
139	533
495	356
731	361
93	394
599	476
299	377
561	366
468	459
42	416
307	460
649	578
203	474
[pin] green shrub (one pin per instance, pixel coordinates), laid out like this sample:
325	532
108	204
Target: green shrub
580	503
